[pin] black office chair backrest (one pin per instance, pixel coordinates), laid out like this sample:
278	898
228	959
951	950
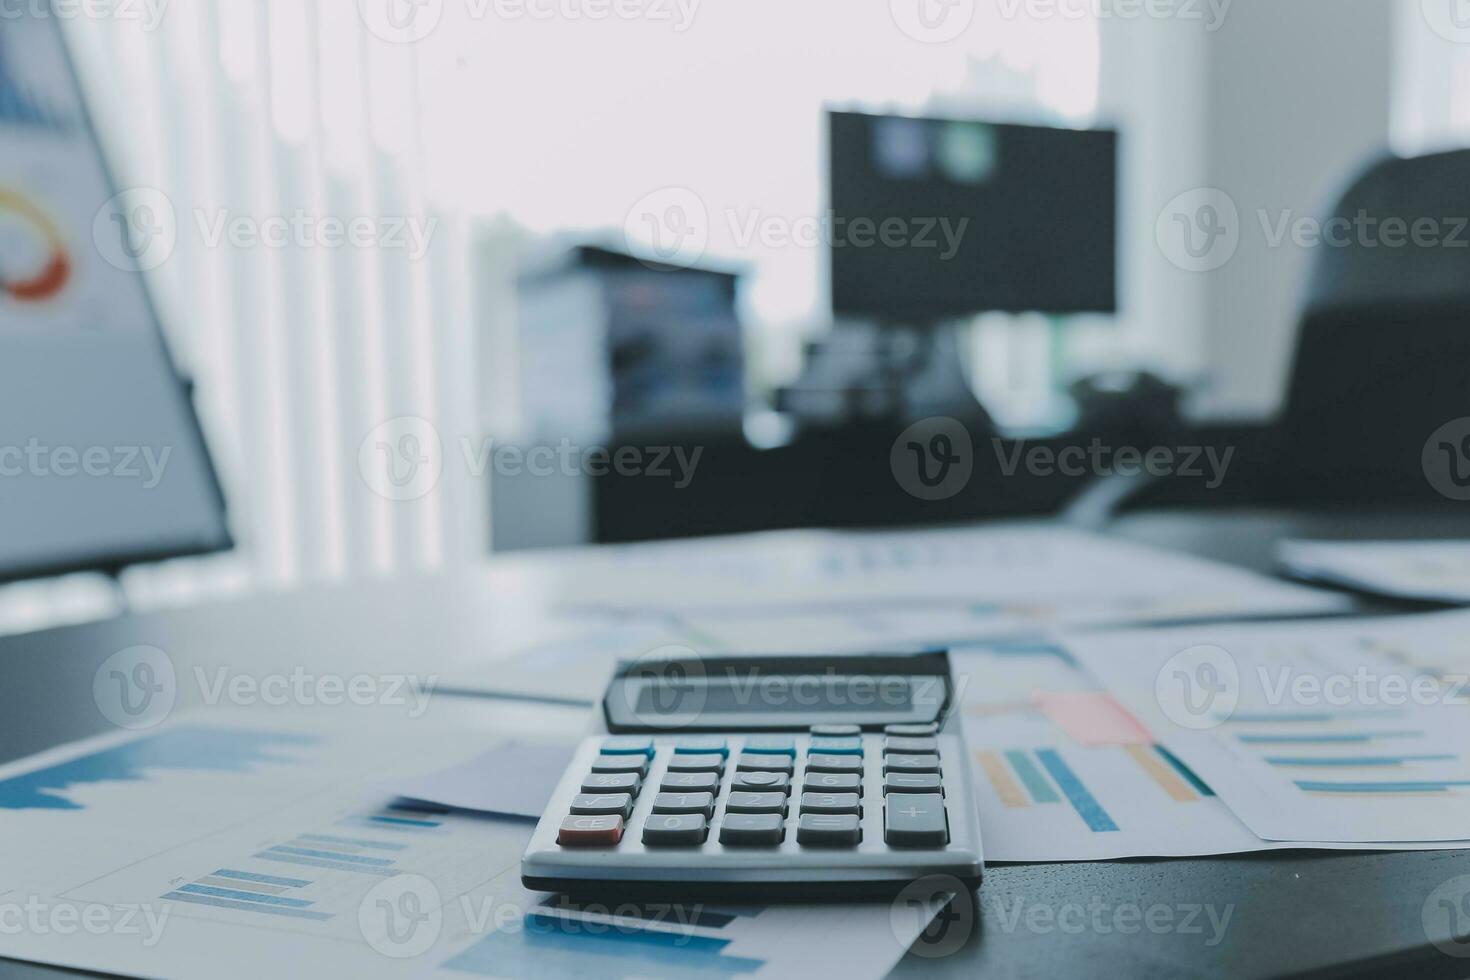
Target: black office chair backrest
1383	354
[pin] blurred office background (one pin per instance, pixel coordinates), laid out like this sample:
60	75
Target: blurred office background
519	135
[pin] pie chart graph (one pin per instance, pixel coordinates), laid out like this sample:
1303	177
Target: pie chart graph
34	263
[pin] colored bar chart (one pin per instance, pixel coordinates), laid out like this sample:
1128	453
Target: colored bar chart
248	891
1086	805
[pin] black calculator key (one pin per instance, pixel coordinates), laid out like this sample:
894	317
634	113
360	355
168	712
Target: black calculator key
700	744
627	745
675	830
833	782
603	805
774	744
915	820
910	763
829	830
690	782
756	803
912	746
753	829
761	782
831	803
621	763
684	803
836	731
705	762
834	763
612	782
912	782
911	731
582	831
765	762
836	746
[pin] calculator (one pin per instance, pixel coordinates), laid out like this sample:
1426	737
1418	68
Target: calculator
768	777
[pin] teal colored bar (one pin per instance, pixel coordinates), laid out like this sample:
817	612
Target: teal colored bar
1185	771
1032	778
1436	786
1342	738
1311	716
1354	760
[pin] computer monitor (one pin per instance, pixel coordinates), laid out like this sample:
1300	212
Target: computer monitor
102	463
1031	217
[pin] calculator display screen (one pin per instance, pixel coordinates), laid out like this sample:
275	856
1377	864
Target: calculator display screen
717	695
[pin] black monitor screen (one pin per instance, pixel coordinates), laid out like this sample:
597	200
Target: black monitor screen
935	218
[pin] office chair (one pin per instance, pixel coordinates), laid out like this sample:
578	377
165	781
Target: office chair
1383	355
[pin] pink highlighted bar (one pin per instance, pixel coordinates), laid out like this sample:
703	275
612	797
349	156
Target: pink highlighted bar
1092	718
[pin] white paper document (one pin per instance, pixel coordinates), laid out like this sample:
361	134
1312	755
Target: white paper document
1064	773
1352	731
512	780
992	581
1432	571
267	848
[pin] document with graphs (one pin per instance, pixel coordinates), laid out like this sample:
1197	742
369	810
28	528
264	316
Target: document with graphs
1343	731
264	843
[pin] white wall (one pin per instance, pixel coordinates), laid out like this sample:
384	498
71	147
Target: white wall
1297	100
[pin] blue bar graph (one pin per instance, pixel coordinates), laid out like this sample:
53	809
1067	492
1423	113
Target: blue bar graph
1423	786
1087	807
1307	717
307	862
553	947
225	903
376	845
261	879
289	903
1354	760
1328	738
331	856
1185	771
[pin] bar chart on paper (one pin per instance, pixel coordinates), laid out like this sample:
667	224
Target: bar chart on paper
1330	732
1064	773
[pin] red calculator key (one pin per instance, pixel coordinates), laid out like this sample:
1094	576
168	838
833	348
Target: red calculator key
588	831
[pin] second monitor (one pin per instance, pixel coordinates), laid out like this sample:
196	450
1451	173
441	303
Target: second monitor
996	217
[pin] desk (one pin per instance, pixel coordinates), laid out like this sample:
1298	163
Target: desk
1293	912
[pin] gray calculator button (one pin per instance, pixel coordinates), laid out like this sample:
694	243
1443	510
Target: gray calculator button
685	803
829	830
753	829
612	782
831	803
712	762
915	820
911	731
912	782
756	803
833	782
912	746
621	763
765	762
690	782
836	746
834	763
836	731
761	782
675	830
603	805
910	763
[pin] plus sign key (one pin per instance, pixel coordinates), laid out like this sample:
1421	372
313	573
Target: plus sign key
915	820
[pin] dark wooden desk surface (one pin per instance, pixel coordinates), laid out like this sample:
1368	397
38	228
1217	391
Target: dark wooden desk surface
1349	914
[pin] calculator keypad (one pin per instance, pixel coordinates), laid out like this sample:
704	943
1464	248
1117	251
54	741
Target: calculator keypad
743	792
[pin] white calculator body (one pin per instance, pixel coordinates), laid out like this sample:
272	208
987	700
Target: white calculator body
772	777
